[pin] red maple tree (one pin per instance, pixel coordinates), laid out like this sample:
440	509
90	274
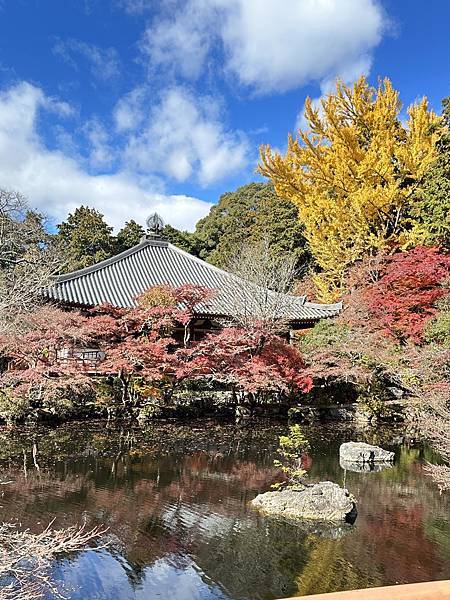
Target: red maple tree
145	350
38	364
251	361
403	299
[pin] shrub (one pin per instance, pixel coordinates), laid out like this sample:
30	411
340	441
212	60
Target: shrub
325	333
291	449
437	330
13	407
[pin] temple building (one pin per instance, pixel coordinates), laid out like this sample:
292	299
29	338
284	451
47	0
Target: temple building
154	261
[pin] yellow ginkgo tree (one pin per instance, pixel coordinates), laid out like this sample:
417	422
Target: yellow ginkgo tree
354	173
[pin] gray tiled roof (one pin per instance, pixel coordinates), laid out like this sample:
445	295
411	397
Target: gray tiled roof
120	279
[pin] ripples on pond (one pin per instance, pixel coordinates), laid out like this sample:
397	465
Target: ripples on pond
175	499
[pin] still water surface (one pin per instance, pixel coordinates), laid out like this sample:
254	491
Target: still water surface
175	500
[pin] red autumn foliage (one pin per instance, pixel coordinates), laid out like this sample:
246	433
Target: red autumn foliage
404	297
47	332
251	361
37	368
139	343
164	306
143	341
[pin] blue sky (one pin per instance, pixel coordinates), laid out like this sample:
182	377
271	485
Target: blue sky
132	106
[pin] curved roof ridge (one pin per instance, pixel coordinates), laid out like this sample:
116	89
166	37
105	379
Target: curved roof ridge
204	262
106	262
120	279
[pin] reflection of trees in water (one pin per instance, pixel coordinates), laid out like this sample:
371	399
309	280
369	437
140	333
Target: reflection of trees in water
397	536
261	558
255	559
192	502
151	503
395	548
329	568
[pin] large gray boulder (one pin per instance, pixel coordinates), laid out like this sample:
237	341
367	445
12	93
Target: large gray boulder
359	452
325	501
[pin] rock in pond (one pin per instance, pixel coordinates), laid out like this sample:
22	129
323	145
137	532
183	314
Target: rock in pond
325	501
359	452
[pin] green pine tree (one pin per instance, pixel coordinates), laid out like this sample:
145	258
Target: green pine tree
85	238
130	235
182	239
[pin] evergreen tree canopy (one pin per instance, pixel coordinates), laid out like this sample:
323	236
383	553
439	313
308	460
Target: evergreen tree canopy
130	235
85	238
250	214
433	202
182	239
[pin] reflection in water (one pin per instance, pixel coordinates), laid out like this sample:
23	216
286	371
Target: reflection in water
367	467
175	500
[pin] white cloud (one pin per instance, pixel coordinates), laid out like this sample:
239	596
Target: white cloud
183	136
104	62
273	49
56	183
181	44
129	110
101	150
268	47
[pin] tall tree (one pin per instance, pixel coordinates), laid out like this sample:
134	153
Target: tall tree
27	259
85	238
353	174
249	215
185	240
432	210
130	235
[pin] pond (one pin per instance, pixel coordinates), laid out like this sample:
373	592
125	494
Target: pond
175	500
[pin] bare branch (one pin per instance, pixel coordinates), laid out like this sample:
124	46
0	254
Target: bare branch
26	558
27	259
262	286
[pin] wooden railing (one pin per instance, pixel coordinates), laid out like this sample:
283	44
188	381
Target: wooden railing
85	359
431	590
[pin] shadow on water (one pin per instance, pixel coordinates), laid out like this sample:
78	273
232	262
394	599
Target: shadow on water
175	499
